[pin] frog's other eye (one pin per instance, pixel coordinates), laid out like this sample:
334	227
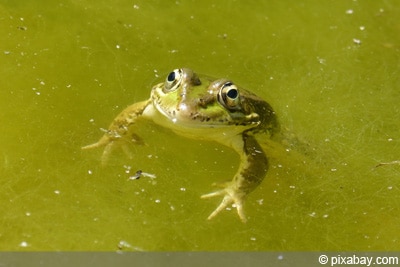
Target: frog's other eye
228	96
173	80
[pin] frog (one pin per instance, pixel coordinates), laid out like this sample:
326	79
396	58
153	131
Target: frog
204	108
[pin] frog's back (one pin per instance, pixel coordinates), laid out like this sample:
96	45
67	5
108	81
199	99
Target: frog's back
267	118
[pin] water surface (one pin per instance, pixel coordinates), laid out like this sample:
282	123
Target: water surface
330	70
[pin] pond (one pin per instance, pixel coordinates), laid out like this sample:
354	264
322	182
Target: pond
330	69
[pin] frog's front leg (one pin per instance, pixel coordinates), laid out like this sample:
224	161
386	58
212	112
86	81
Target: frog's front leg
252	170
119	132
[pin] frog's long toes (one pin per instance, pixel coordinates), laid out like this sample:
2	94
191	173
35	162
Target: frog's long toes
240	211
224	203
106	153
227	200
90	146
127	151
214	194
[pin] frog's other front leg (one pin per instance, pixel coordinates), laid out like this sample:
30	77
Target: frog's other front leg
119	134
252	170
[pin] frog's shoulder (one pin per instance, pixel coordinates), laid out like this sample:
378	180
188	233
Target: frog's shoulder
266	116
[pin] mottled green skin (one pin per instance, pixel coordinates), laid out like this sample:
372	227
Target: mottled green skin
203	108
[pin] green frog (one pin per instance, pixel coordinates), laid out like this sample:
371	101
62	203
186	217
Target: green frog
203	108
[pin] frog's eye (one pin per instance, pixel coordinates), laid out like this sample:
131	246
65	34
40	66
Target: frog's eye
173	80
228	96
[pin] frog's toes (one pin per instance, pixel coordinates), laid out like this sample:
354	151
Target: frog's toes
107	152
105	141
127	151
230	197
111	146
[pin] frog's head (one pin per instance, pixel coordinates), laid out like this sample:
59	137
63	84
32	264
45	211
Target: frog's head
194	100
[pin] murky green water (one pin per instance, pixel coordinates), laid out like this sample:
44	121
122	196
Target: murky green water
329	68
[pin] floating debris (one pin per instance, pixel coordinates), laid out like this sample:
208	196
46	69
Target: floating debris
136	175
125	245
356	41
396	162
141	173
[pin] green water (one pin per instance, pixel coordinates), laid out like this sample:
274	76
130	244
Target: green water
330	69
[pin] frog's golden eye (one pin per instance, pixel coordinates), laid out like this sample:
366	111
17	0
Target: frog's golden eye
229	96
173	80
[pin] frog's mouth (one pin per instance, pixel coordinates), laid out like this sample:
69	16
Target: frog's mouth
181	115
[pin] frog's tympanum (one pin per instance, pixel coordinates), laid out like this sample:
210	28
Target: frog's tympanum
203	108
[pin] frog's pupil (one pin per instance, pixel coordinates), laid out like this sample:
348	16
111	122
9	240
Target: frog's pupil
233	93
171	77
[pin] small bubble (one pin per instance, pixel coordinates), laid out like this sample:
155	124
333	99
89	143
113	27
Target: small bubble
349	11
23	244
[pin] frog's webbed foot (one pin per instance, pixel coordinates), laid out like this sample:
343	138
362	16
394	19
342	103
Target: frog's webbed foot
111	142
120	134
231	196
